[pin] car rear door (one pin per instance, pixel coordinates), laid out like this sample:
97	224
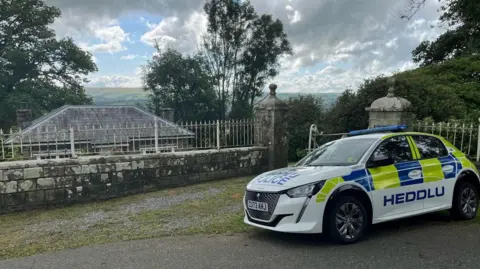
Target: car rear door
438	170
394	186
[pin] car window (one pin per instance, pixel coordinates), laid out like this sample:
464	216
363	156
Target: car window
429	146
340	152
395	148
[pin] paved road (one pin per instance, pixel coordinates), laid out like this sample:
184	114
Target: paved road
405	244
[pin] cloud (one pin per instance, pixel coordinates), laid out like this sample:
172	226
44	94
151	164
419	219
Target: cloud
293	15
129	57
184	36
94	9
360	39
354	39
131	80
112	39
108	33
116	81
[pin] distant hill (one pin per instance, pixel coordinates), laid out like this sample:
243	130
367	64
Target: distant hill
117	96
133	96
328	98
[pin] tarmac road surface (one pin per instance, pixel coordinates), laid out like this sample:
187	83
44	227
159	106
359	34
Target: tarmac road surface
411	243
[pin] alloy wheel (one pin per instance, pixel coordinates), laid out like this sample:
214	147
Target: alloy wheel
468	202
349	220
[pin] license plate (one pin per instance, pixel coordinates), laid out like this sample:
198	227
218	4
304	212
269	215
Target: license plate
257	205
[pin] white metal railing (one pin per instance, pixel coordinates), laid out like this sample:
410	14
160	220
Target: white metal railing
315	134
464	135
50	142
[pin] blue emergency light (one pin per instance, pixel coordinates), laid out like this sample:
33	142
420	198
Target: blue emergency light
391	128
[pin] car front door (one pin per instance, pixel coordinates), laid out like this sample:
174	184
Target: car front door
396	181
438	171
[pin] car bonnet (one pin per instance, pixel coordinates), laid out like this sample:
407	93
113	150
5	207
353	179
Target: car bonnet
286	178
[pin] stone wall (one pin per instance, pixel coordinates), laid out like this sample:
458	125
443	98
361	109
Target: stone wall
45	183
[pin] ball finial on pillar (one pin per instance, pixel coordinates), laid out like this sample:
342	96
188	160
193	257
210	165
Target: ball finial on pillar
391	88
273	88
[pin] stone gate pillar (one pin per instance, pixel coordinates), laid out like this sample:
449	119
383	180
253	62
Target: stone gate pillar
271	128
390	110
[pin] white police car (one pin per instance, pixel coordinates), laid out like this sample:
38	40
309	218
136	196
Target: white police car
368	177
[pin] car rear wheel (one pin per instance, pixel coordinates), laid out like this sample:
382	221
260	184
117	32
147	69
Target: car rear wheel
465	201
347	221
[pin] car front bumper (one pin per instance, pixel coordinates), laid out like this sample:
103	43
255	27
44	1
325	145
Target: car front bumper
291	215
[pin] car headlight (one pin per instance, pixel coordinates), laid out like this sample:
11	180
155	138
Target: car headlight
307	190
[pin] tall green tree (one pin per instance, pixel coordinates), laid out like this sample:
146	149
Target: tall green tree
347	113
258	63
242	51
305	110
180	82
463	37
447	90
37	70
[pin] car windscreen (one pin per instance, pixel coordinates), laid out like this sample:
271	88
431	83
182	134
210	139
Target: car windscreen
341	152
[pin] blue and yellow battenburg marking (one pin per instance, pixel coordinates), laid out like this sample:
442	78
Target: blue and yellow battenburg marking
463	161
360	176
327	188
413	148
404	174
279	178
414	172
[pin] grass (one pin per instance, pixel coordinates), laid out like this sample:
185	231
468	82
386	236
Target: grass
209	208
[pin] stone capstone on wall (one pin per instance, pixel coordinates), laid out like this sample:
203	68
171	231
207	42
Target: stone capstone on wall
44	183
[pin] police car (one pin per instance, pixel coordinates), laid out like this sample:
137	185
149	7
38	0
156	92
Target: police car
368	177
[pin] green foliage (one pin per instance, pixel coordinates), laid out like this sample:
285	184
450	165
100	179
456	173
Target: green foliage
445	88
259	62
16	156
300	154
38	70
348	112
462	40
180	82
453	84
305	110
242	51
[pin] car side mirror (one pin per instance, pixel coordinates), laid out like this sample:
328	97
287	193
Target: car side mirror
379	161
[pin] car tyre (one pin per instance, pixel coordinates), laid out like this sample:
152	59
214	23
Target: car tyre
347	220
465	201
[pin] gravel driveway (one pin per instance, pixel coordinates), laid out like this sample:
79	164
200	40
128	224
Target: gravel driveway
209	208
412	243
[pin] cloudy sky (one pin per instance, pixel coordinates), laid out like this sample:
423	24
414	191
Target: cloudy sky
337	43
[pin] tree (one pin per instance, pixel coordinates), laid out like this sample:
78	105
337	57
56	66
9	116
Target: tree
347	113
180	82
305	110
242	51
259	62
38	70
453	84
461	40
412	7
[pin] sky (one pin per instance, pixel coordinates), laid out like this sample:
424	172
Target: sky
337	43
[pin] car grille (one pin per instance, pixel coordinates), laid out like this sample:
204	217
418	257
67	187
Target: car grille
270	198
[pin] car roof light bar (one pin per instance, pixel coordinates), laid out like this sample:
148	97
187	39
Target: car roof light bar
391	128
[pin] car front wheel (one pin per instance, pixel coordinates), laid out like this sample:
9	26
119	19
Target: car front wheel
465	201
347	221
